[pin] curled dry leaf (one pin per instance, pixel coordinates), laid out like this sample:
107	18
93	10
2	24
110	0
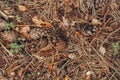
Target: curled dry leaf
79	34
46	24
24	31
22	8
36	20
41	23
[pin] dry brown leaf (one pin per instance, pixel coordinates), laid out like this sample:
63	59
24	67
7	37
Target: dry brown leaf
50	66
24	31
37	21
66	78
79	34
46	24
20	72
26	35
40	23
22	8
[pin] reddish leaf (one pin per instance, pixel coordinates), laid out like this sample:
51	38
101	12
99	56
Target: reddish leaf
20	72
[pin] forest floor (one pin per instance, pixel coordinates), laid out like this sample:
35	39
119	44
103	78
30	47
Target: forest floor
59	39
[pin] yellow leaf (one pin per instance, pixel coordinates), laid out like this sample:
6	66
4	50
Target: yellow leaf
22	8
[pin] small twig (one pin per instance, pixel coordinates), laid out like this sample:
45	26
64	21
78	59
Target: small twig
6	49
103	59
25	69
100	30
62	67
110	35
3	15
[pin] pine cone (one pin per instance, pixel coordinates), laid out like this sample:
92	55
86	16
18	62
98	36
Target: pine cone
37	33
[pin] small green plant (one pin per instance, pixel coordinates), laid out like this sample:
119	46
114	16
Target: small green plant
14	47
10	25
17	18
115	46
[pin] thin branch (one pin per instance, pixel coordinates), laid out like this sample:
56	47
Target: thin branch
110	35
6	49
3	15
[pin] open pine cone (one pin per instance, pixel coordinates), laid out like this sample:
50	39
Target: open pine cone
37	33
